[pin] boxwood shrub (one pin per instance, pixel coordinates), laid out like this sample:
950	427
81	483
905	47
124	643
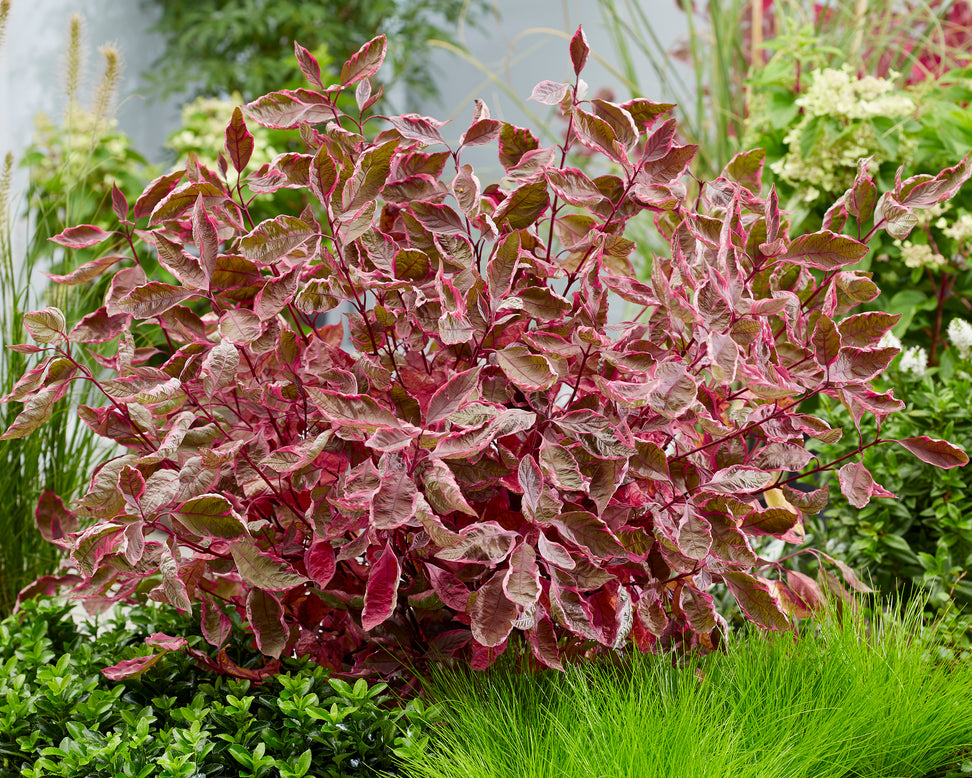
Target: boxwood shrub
60	716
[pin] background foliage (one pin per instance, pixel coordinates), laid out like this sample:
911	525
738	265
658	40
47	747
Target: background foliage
214	48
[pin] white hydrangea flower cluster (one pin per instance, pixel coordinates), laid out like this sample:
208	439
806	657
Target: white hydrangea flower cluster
960	230
841	95
920	255
933	213
913	362
960	336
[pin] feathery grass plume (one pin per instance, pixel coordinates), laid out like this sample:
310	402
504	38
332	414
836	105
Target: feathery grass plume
6	179
108	85
74	59
4	15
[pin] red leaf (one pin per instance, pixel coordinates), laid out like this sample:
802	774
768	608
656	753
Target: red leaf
264	570
381	593
483	131
543	643
452	395
531	372
53	520
738	478
216	625
131	483
514	142
486	542
568	608
356	410
323	175
826	341
694	535
825	250
806	588
309	65
98	327
266	616
781	456
523	206
443	490
531	482
276	294
790	602
155	192
863	196
926	193
856	483
747	168
483	657
46	586
492	614
851	577
46	326
239	141
319	560
165	642
450	589
365	61
37	410
240	326
555	553
522	580
755	599
579	51
864	330
674	389
699	609
771	521
118	203
81	237
396	500
550	92
574	187
855	364
439	219
590	533
420	128
153	298
273	238
935	452
597	134
131	668
289	108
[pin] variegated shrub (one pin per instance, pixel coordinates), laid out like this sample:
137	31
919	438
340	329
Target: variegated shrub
476	453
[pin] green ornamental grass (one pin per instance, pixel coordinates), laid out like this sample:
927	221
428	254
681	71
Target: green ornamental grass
852	696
